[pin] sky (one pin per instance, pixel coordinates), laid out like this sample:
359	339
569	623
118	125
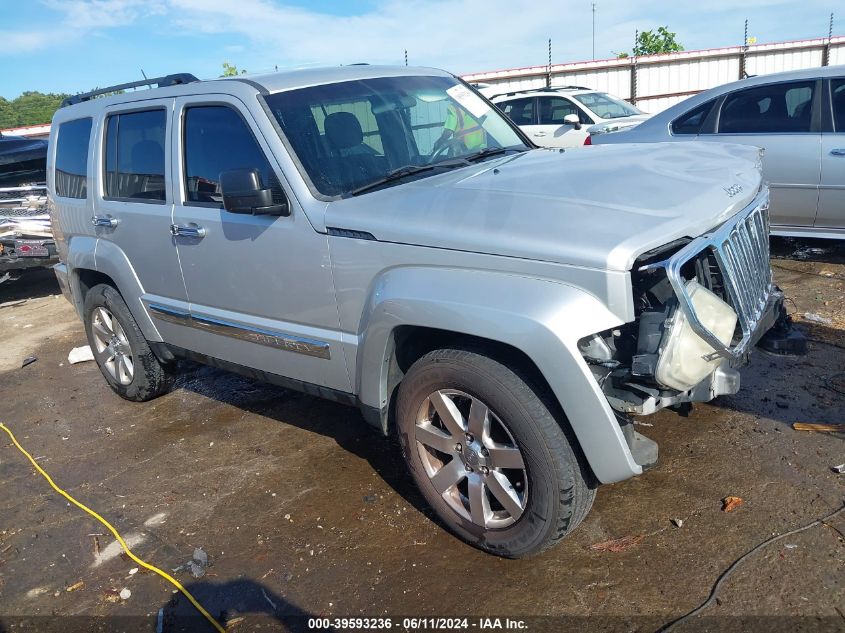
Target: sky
77	45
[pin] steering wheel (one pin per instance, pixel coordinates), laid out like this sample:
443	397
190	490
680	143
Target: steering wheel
451	143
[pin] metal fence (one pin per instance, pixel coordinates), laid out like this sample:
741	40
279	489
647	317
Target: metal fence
655	82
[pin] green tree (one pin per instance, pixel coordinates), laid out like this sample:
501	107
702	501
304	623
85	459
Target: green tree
30	108
230	70
8	116
652	43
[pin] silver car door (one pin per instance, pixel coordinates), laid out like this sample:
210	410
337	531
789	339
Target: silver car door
832	186
782	118
133	205
259	286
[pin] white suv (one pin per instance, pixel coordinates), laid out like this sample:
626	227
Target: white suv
559	117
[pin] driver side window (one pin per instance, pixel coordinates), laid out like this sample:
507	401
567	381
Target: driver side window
216	139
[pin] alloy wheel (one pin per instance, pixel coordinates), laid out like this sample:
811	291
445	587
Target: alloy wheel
471	459
112	346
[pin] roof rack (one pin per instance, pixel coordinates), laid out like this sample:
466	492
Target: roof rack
158	82
526	90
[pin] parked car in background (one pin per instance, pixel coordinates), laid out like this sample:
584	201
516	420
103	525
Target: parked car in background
559	117
26	239
383	237
797	117
23	161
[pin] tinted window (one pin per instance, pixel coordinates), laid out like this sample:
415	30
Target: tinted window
554	109
135	155
837	98
72	158
520	111
785	107
691	122
216	140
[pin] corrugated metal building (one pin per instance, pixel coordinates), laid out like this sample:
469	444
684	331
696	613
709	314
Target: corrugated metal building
656	82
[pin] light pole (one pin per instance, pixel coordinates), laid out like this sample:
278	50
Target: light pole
594	30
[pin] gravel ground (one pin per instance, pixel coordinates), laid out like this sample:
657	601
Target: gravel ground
303	510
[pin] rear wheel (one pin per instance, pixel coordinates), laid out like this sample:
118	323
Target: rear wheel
120	349
488	454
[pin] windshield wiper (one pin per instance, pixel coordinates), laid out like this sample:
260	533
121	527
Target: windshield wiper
404	172
489	151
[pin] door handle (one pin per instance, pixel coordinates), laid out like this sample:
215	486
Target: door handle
104	220
539	133
839	151
187	230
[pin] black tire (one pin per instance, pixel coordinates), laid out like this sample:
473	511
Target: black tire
149	378
560	487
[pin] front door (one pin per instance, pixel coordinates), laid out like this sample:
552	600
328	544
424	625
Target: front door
832	186
259	286
552	131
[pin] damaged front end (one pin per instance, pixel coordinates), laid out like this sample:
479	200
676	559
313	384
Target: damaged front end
701	305
26	239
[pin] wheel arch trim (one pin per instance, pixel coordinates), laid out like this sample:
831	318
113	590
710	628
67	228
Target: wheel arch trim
543	319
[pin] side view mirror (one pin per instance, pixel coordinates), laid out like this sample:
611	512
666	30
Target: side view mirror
243	192
573	120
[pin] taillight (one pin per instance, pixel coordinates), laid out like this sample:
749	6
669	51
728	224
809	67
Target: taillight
587	140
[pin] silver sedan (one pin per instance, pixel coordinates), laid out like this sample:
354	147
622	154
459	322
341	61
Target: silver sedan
798	117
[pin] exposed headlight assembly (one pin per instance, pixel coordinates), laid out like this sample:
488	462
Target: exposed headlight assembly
686	359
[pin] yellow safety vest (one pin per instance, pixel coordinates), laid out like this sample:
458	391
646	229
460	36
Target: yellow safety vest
464	127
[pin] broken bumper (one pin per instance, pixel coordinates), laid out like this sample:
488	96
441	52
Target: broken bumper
23	253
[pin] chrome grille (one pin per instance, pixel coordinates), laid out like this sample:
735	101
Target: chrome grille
743	256
740	247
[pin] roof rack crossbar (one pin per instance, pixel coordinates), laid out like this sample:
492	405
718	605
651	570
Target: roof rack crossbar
158	82
511	93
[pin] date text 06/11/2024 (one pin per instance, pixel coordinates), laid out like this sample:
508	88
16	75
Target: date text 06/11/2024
418	624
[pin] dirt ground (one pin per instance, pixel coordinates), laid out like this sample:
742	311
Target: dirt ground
303	510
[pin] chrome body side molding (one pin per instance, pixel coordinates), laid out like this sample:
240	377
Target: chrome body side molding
260	336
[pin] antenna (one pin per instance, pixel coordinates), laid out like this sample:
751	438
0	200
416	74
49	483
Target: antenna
144	74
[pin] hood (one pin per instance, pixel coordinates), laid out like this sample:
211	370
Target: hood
22	160
599	207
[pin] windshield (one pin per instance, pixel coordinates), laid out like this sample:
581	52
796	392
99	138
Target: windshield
352	134
607	106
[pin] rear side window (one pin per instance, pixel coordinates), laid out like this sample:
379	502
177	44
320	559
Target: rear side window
691	122
775	108
216	139
135	156
72	158
837	98
520	111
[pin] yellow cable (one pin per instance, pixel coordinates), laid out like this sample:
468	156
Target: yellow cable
119	538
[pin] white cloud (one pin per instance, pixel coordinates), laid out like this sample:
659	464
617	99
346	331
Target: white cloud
460	35
78	18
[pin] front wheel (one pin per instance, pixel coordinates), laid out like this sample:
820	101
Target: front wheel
497	466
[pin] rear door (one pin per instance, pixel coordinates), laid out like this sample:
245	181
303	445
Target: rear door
784	119
134	203
523	112
259	286
832	186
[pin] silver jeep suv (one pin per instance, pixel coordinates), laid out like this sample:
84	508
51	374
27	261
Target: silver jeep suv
386	238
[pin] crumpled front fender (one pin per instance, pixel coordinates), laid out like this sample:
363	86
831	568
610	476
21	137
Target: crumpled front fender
542	318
